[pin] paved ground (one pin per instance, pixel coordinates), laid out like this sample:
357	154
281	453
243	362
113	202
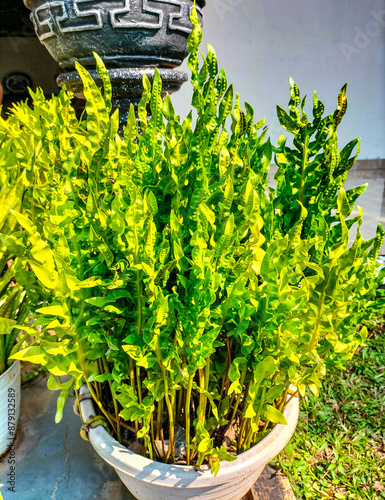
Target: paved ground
54	463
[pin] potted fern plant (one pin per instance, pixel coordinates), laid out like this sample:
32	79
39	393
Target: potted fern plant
24	176
187	298
13	309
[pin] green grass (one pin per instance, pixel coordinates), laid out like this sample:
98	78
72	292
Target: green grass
338	450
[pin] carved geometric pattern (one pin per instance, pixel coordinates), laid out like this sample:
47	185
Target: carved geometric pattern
55	17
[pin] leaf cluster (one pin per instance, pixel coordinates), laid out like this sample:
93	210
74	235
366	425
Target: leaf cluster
185	291
19	174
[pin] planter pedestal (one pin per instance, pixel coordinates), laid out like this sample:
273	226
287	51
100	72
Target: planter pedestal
127	85
131	36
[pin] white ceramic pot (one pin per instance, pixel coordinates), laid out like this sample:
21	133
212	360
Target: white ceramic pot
149	480
9	405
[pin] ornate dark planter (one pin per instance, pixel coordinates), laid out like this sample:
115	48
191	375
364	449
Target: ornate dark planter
130	35
124	33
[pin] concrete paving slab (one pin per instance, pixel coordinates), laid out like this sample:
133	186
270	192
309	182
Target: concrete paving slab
54	463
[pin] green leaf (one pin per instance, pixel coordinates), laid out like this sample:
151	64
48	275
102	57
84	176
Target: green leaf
10	200
104	76
343	206
342	106
273	415
53	311
52	384
142	107
229	228
6	325
168	108
97	110
195	36
274	393
95	377
66	387
226	105
294	91
110	297
287	122
48	277
33	354
265	368
212	62
178	252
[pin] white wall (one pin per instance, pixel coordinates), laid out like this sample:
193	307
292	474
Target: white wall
320	43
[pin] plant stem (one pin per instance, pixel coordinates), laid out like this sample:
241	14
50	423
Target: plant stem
256	418
314	338
171	446
171	437
202	397
180	403
283	400
98	392
162	439
139	293
122	424
132	382
78	402
264	429
159	419
248	437
115	403
207	380
91	389
152	435
227	384
150	450
223	382
139	383
291	397
259	411
304	163
188	423
239	396
241	429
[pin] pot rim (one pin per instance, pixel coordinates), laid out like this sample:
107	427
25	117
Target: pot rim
13	365
28	3
169	475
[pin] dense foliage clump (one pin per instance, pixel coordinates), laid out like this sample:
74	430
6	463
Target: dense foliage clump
169	276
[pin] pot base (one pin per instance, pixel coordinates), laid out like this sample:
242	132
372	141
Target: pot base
147	479
234	491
